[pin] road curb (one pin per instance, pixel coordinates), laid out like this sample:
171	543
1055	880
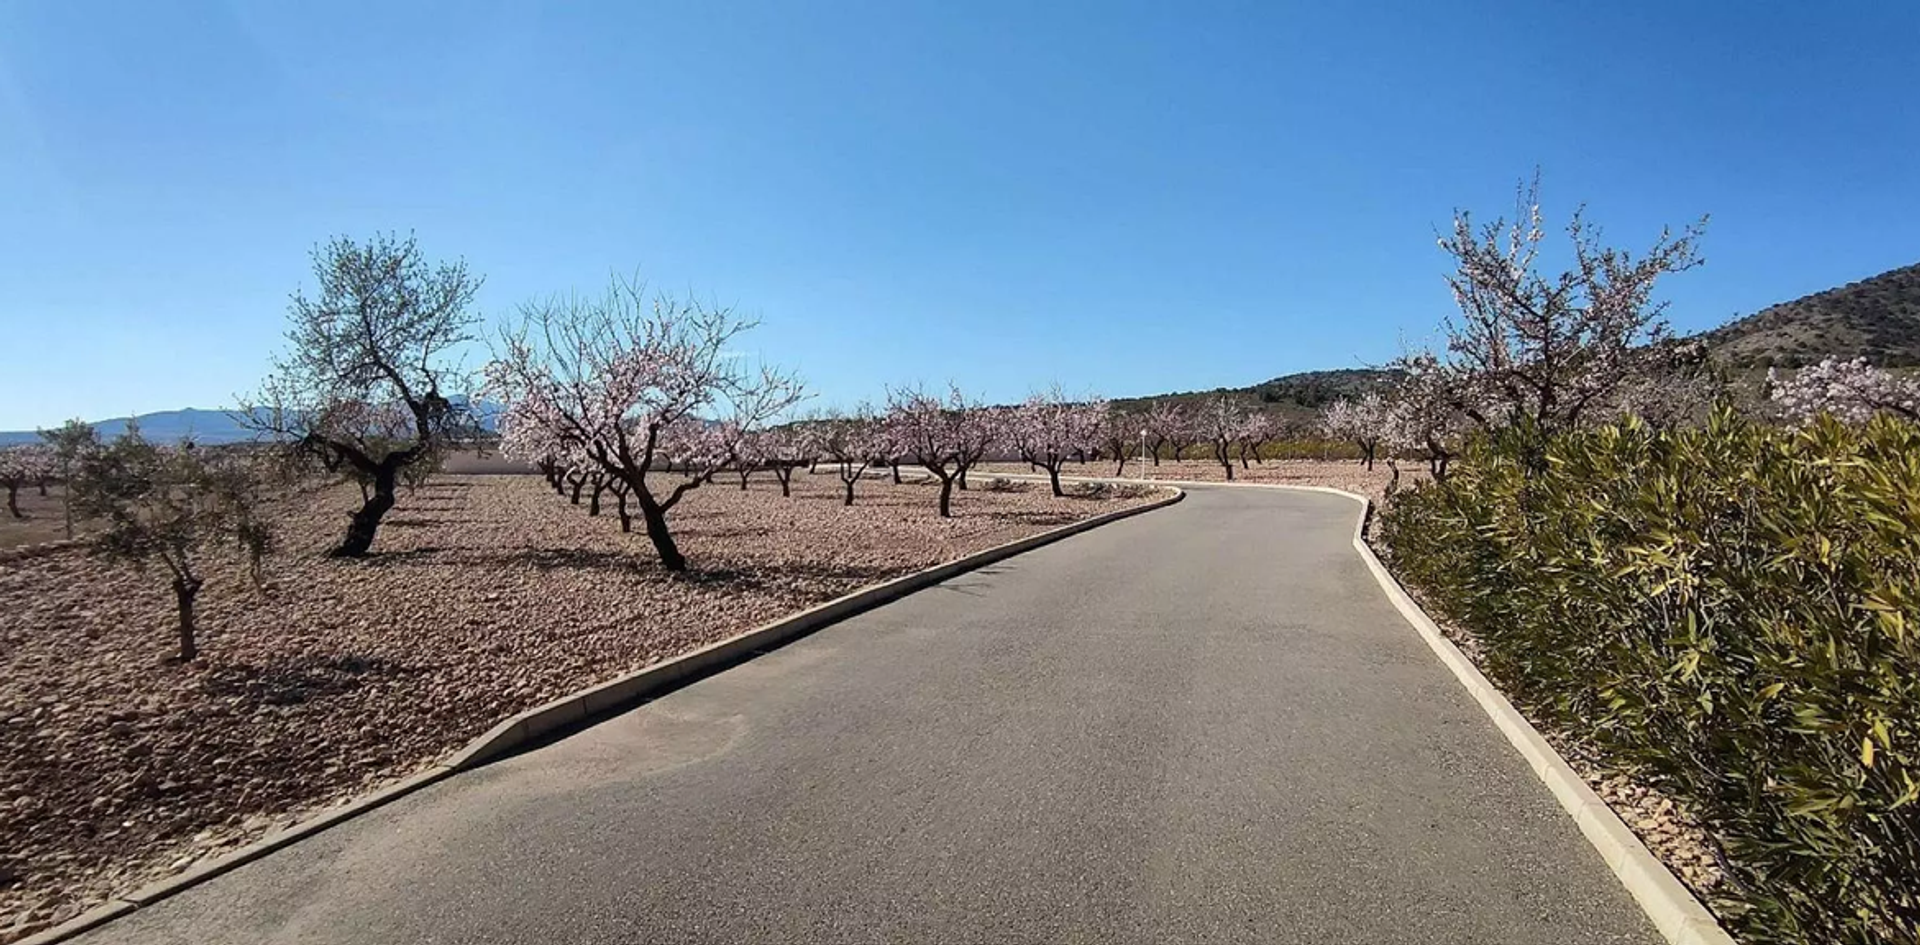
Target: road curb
590	704
1680	917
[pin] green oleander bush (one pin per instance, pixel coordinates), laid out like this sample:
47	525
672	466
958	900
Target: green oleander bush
1730	611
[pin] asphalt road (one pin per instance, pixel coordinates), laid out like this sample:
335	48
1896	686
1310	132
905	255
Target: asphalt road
1201	724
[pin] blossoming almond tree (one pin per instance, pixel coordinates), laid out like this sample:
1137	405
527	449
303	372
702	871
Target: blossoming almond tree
1220	424
1048	429
944	436
638	384
1164	421
1852	391
23	465
1358	420
365	385
852	443
1546	350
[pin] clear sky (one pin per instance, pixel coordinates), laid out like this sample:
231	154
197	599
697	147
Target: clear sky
1123	198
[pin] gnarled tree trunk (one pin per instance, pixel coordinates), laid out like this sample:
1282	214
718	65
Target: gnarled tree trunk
185	588
366	522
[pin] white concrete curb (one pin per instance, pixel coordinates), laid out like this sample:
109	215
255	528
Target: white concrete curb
591	703
1667	902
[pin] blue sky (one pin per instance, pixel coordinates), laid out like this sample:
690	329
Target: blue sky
1123	198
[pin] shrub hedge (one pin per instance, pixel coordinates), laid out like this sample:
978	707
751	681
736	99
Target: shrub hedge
1732	612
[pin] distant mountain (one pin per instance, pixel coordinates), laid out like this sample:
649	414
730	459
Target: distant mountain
209	427
1877	318
166	426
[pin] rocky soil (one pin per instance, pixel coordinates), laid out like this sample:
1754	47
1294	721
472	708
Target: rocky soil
488	595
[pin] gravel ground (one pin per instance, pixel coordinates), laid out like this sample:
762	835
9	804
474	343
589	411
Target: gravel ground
489	595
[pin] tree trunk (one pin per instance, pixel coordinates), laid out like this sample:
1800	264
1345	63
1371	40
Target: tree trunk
744	473
43	488
577	483
946	497
1120	465
656	521
1053	474
184	590
896	473
785	475
962	479
626	517
13	499
367	521
593	501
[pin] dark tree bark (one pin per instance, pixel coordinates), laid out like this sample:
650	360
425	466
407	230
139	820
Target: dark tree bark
576	481
896	472
784	473
43	488
946	496
1053	476
620	498
366	522
185	588
744	472
1222	453
593	501
13	499
655	517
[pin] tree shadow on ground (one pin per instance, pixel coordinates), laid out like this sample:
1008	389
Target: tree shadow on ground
300	680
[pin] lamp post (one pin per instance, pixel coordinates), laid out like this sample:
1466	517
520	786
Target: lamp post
1143	456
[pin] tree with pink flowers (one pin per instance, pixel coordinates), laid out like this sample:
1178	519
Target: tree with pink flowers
1551	351
24	465
1256	432
1852	391
943	435
852	442
1166	424
648	388
1358	420
1049	428
1220	424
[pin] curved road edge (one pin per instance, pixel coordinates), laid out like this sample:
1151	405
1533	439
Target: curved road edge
591	705
1668	903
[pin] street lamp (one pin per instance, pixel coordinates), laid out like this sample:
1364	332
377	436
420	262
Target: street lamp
1143	456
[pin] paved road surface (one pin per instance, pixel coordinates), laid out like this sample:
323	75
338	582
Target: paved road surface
1201	724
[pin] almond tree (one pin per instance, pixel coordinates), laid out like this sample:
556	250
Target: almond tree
638	384
943	436
1220	424
1852	391
1256	432
1180	426
364	387
1359	420
784	449
1120	436
170	504
1544	351
23	465
1162	421
1048	429
852	443
1424	413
